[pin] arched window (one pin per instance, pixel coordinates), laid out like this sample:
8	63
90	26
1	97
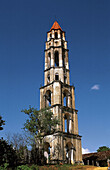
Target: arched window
67	150
70	124
47	151
49	59
61	35
56	35
66	124
63	58
56	59
48	78
48	98
56	76
69	153
50	35
65	79
65	99
63	61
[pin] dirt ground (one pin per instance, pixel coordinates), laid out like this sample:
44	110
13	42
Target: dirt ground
78	167
97	168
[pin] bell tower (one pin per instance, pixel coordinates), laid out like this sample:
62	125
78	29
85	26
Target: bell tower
58	94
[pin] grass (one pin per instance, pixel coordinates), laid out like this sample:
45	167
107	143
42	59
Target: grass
71	167
56	167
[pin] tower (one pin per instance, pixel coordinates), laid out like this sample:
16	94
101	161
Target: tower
58	94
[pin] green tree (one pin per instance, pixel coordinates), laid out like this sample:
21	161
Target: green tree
40	123
7	153
2	122
103	148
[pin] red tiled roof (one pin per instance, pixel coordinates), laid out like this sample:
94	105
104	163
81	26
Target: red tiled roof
55	26
97	155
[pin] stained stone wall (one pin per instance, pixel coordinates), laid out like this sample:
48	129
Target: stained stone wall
65	144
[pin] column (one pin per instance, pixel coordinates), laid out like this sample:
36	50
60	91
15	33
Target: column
70	125
72	160
52	57
87	162
46	156
60	58
66	60
46	60
69	100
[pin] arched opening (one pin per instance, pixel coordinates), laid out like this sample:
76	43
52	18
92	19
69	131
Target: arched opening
66	124
48	78
65	98
64	101
48	98
50	35
56	35
49	59
56	76
63	52
69	153
47	151
67	150
63	61
61	35
69	124
65	79
56	59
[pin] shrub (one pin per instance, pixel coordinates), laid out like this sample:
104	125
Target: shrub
34	167
23	167
7	154
4	167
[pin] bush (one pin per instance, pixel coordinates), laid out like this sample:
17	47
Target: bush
4	167
34	167
7	154
23	167
26	167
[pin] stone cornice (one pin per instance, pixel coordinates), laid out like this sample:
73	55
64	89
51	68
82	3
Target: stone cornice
68	135
57	67
64	108
63	84
55	29
55	39
56	47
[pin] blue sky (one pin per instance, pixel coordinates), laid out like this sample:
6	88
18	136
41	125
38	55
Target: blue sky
23	27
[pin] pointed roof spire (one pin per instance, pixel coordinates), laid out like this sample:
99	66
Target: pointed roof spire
55	26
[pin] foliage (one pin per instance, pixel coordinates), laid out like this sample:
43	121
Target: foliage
27	167
34	155
2	122
103	148
40	123
34	167
23	167
4	167
7	154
